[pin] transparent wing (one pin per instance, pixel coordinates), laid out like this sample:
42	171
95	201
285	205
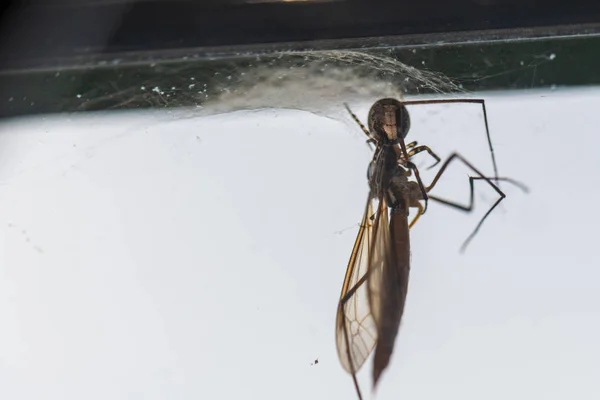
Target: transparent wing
356	330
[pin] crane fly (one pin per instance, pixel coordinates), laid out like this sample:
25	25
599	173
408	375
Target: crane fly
376	282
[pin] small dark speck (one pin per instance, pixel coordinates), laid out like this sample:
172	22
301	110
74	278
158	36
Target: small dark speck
315	362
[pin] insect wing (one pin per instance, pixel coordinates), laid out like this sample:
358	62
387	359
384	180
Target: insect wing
356	331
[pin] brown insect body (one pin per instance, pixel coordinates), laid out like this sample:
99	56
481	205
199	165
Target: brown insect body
393	284
389	123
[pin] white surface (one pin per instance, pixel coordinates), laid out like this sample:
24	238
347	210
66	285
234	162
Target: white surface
151	257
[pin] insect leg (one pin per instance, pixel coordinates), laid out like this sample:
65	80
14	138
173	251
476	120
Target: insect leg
419	149
411	144
370	141
472	101
469	208
355	118
419	213
413	167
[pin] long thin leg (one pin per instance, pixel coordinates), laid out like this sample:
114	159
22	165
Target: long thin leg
485	119
356	386
419	213
419	149
355	118
411	144
471	195
370	141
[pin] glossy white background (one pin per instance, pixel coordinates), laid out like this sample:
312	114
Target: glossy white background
147	256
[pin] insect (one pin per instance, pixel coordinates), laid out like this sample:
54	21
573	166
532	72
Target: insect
375	285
